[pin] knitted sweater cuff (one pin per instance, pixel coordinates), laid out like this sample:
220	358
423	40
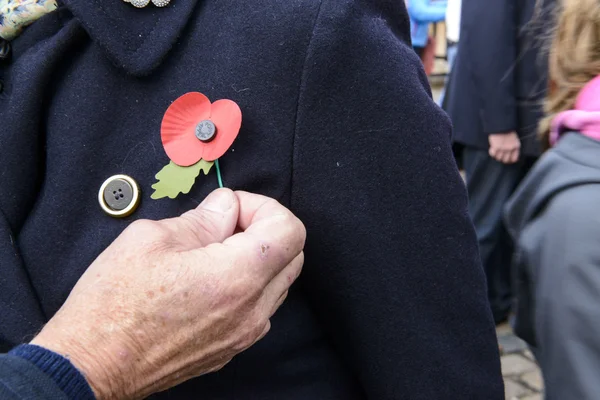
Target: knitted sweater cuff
58	368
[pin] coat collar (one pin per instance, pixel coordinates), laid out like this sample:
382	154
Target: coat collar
136	40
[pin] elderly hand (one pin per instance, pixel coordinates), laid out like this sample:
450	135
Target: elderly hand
174	299
505	147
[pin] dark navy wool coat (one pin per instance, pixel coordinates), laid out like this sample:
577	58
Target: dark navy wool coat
339	125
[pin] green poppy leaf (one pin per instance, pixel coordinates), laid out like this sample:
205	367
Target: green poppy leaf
173	179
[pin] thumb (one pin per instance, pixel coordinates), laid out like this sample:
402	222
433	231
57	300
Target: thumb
213	221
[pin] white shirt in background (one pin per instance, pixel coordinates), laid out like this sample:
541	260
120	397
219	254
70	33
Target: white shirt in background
453	20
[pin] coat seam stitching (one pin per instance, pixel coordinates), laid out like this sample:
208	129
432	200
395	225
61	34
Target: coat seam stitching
301	89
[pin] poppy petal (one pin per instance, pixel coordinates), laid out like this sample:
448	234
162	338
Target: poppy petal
178	128
227	117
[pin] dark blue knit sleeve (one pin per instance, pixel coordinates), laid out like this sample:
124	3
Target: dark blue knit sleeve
392	265
32	372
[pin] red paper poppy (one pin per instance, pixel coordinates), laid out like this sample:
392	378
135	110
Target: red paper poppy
183	117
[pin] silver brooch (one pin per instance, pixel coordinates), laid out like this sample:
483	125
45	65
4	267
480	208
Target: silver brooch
144	3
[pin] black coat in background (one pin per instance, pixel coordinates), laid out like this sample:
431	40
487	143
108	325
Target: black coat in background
500	75
339	125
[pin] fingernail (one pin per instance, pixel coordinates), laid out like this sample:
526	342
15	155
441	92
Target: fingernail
220	200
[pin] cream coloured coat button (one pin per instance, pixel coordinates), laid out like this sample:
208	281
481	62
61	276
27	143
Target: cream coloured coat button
119	196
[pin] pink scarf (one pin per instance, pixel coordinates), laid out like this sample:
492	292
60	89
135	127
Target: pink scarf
585	118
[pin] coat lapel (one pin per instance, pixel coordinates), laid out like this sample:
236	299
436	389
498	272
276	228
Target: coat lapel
136	40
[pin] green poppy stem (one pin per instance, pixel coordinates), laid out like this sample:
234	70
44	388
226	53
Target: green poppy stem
219	173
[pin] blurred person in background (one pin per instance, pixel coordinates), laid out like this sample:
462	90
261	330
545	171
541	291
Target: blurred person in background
554	218
422	13
452	36
494	102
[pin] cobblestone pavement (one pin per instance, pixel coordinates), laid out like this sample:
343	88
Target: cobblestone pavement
522	378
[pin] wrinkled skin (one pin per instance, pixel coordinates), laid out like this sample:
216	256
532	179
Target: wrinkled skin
174	299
